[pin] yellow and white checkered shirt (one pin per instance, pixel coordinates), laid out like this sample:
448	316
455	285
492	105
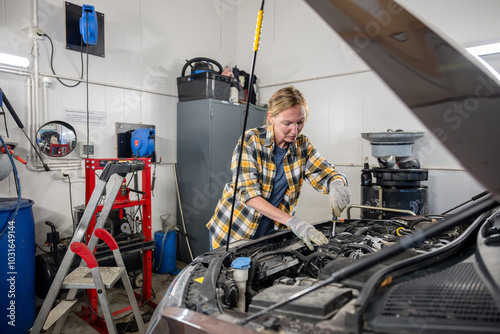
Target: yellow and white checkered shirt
257	173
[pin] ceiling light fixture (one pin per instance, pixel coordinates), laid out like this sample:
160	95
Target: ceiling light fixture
11	60
483	50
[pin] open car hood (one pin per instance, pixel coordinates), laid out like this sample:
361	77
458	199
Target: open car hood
450	91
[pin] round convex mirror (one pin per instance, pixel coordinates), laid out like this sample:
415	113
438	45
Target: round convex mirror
56	138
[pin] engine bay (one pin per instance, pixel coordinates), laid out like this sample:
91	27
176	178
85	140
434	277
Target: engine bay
281	266
414	274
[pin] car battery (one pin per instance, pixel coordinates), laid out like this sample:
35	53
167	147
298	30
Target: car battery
204	85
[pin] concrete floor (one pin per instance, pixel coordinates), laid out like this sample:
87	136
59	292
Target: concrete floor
117	298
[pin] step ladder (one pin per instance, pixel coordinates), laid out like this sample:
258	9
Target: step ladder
114	173
99	278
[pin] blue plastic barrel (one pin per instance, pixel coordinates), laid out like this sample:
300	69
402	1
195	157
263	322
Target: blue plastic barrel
165	252
17	267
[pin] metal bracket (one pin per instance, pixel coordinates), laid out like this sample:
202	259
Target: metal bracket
411	213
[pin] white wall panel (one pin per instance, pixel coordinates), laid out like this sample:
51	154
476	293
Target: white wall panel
16	16
174	31
227	15
448	189
123	44
346	120
307	47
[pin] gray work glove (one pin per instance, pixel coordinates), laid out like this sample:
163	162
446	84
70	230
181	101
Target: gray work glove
306	232
340	196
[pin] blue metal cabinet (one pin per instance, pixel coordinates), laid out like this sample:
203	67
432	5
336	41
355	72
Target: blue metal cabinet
207	132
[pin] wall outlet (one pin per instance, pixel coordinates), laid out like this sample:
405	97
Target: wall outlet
65	173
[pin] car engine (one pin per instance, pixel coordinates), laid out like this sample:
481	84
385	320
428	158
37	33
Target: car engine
280	266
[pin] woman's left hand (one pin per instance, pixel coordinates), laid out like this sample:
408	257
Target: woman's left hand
306	232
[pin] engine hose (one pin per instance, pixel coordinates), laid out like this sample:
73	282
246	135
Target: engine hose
315	255
343	235
308	257
364	247
400	232
400	223
362	230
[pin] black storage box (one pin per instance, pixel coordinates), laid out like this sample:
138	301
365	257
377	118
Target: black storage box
205	85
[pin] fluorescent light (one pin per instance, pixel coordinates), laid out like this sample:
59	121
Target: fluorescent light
11	60
483	50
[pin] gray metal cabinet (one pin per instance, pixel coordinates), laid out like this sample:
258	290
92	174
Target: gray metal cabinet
207	132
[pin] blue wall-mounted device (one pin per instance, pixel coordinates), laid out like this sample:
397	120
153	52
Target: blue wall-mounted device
143	142
88	25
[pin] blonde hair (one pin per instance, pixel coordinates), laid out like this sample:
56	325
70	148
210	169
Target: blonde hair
286	98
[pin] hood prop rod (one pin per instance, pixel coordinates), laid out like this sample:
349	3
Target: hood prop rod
249	94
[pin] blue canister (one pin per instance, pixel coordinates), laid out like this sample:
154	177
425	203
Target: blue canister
17	266
165	255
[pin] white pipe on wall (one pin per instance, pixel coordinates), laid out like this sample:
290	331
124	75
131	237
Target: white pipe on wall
45	104
314	78
29	103
35	52
104	84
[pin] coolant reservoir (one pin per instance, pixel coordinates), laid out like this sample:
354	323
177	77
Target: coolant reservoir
240	275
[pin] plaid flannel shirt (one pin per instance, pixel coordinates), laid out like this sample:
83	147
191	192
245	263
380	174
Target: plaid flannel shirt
257	173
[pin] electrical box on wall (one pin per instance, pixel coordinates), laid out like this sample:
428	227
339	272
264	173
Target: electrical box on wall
73	36
131	143
86	151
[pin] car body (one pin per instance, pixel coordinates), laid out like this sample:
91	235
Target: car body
437	274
